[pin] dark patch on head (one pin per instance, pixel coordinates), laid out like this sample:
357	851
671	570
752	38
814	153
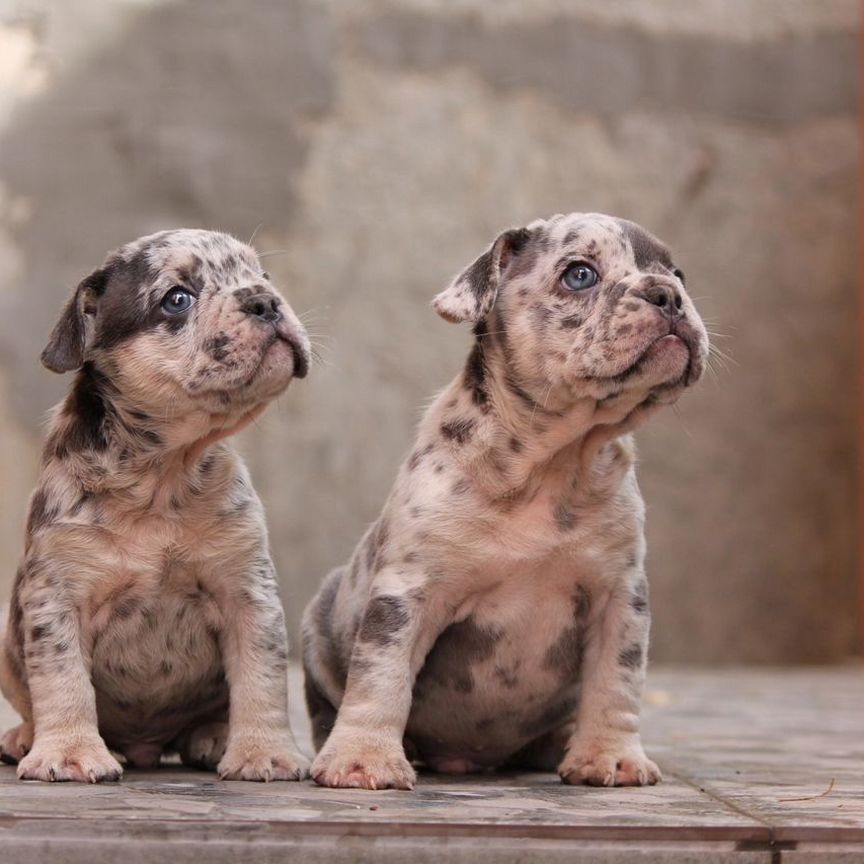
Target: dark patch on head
631	656
516	445
647	249
217	347
571	322
458	430
385	616
122	310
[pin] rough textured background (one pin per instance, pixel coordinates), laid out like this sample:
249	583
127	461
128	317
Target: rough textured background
380	145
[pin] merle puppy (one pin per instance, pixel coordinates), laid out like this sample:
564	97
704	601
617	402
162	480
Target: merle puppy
496	614
145	613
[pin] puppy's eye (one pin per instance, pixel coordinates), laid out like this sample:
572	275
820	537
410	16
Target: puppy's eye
177	301
578	277
678	274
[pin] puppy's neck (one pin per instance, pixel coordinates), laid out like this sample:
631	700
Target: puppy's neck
510	434
107	441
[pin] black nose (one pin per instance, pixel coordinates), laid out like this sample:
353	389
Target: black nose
263	306
665	296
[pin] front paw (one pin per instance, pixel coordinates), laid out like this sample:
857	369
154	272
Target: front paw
353	762
609	764
15	744
263	761
53	760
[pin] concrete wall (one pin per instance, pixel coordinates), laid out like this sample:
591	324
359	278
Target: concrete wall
379	146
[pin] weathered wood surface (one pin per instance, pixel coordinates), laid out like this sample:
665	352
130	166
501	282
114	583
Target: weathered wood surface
737	747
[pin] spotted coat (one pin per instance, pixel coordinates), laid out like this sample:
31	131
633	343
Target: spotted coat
145	615
496	613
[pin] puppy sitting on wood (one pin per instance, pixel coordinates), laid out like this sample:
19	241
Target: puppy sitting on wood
145	614
496	614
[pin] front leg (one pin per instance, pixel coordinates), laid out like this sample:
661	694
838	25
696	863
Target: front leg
604	748
66	740
260	743
365	748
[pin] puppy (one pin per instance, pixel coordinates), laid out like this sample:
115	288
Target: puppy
145	614
496	614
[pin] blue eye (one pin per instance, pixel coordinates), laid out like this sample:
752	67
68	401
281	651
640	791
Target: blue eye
578	277
177	301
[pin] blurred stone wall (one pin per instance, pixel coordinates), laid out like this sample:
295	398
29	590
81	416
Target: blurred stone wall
379	146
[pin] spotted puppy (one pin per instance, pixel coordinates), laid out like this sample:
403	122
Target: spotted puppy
496	614
145	614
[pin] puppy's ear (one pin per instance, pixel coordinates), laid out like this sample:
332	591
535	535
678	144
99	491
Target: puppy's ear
67	344
471	295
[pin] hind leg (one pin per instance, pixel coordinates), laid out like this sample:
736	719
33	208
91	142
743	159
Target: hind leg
322	714
16	742
203	746
542	754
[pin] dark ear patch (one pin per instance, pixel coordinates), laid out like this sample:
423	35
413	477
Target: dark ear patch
470	296
65	349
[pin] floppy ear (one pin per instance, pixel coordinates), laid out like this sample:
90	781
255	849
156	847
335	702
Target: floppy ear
471	295
68	341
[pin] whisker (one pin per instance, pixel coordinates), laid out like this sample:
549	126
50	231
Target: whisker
257	229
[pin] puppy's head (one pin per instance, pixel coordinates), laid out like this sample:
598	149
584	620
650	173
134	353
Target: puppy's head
586	304
185	319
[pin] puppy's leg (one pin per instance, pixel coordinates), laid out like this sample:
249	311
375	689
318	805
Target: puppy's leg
322	714
16	742
67	744
605	748
365	747
260	744
203	746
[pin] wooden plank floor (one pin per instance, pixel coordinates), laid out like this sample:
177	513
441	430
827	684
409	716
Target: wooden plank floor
748	758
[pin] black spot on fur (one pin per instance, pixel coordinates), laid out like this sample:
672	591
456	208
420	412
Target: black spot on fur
385	617
40	631
565	655
458	430
418	456
41	513
647	249
475	370
516	445
639	597
88	410
631	656
448	664
217	347
565	519
571	322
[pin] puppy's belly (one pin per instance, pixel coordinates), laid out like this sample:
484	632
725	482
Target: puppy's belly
483	695
157	668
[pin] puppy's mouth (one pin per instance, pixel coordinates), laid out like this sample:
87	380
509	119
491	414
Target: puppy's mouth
667	351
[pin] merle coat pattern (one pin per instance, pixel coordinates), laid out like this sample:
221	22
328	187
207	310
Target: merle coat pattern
497	611
145	614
